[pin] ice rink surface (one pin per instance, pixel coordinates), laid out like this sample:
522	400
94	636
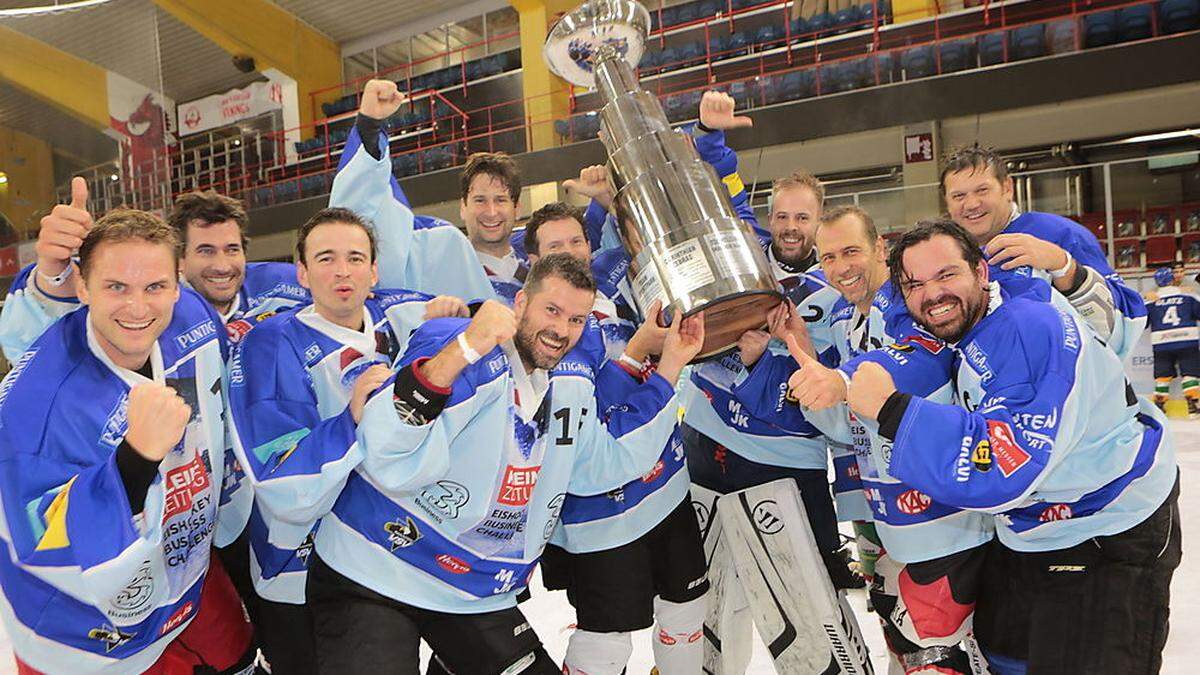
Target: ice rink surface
553	617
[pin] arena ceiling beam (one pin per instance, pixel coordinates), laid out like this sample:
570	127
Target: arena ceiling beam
274	38
60	79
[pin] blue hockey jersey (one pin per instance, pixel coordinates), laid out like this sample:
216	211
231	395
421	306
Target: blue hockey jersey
290	385
463	535
88	586
1173	316
1048	434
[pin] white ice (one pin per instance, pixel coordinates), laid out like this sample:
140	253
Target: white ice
553	617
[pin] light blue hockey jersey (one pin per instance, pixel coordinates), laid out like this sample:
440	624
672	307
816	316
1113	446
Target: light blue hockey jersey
290	385
1174	315
712	408
1048	434
453	515
89	587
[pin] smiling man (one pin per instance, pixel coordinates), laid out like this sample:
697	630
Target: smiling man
298	383
467	456
112	442
490	197
1049	437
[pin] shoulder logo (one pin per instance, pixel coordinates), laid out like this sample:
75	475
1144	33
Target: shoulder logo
402	535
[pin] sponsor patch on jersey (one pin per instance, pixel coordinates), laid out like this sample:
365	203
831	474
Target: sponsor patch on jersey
931	345
981	456
1056	512
176	619
110	636
133	601
518	485
183	484
1008	455
452	564
913	502
654	473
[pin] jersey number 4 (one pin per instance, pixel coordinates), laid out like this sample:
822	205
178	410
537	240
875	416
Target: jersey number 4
1171	316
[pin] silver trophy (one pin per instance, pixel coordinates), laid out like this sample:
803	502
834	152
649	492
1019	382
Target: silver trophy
689	247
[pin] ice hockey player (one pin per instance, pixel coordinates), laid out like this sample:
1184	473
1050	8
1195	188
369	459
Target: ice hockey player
1174	312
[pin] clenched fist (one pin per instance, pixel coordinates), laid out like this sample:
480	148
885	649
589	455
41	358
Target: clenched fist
157	419
63	231
493	324
380	99
870	388
593	184
371	379
752	345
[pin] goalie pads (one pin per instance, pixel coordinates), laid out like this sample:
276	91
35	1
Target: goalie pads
808	627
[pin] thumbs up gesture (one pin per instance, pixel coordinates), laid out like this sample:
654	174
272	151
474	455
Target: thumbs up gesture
813	386
63	231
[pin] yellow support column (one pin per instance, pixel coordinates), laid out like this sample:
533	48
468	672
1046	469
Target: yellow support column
274	38
546	96
65	81
911	10
28	184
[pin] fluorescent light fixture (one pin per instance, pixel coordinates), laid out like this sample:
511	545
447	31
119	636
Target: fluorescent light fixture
51	9
1164	136
3	178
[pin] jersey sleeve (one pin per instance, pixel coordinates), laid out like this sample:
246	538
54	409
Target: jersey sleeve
624	441
993	456
712	149
27	313
297	462
402	453
436	260
1115	297
71	524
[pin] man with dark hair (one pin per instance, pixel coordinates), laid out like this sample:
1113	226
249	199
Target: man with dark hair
467	453
490	194
297	386
564	233
923	547
1082	480
212	228
112	440
978	193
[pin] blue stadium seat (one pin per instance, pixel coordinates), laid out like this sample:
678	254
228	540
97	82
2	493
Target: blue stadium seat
820	24
718	45
590	127
743	4
885	66
474	70
670	16
1060	36
1135	23
670	59
768	35
739	41
772	89
687	13
691	53
286	191
866	13
651	58
562	128
796	85
1028	42
1100	29
709	8
742	93
316	184
918	62
800	28
956	56
991	49
830	78
1176	16
844	20
262	195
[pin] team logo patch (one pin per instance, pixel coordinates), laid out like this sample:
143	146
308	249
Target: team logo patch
111	637
933	346
305	550
132	600
402	535
766	517
913	502
1056	512
446	497
981	457
452	564
1008	455
518	485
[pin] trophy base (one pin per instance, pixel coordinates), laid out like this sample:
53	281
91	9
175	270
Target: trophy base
726	319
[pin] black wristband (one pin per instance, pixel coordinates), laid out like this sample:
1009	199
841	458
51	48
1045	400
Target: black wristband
701	127
1081	275
137	473
892	413
368	131
415	399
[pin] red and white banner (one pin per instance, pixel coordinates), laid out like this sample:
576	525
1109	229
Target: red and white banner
232	106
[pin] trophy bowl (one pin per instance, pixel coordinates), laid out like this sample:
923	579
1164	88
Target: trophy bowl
687	245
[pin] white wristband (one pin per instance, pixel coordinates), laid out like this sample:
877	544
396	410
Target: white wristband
631	362
1062	271
468	352
56	281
